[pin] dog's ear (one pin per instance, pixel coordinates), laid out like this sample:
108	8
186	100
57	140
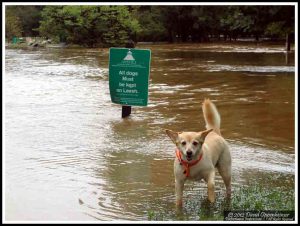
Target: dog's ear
173	135
205	133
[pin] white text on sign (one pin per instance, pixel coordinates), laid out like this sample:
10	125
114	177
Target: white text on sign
126	87
132	73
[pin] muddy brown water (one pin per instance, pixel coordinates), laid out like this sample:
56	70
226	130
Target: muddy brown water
70	156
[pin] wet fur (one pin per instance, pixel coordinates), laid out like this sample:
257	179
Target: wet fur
216	154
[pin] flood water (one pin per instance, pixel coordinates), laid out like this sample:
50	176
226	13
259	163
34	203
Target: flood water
70	156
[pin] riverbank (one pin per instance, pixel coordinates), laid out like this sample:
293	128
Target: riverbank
37	45
251	43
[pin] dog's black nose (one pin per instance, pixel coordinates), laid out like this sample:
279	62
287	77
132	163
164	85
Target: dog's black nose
189	153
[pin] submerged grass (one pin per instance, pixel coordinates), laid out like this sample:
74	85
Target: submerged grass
254	197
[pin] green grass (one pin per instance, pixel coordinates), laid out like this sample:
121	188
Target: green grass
252	197
258	197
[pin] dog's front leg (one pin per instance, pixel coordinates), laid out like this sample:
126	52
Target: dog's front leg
179	185
211	187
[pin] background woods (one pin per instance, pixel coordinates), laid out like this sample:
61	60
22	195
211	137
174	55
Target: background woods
114	25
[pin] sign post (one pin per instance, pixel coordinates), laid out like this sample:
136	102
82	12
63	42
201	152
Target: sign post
126	110
129	71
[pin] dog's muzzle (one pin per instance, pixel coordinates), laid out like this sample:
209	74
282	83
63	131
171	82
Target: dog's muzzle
189	155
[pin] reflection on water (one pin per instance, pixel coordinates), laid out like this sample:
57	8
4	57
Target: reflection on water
70	156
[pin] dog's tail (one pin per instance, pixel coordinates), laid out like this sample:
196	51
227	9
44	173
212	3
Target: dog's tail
211	116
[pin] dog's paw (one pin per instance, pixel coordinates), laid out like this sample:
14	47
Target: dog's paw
211	198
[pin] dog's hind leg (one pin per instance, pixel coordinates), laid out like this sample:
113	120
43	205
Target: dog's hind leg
227	182
224	168
225	172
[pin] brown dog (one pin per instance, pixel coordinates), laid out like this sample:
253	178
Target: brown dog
198	153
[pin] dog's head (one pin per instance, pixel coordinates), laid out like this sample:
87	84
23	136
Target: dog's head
188	143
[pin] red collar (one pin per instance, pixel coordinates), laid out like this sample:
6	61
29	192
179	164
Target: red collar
187	164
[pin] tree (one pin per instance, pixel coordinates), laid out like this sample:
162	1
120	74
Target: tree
13	26
28	18
282	24
90	25
52	23
178	21
120	25
151	25
114	25
206	22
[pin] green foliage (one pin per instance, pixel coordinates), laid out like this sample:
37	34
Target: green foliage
90	25
28	18
234	21
201	23
13	26
51	24
114	25
151	26
275	29
281	23
258	21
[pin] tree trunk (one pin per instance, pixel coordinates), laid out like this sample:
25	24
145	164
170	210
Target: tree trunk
170	36
288	42
183	37
287	58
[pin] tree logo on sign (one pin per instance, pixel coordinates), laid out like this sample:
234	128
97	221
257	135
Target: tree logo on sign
129	59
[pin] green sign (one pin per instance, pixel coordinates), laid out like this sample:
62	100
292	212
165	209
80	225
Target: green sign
15	40
129	71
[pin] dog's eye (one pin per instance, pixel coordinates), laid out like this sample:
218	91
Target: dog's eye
195	143
183	143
